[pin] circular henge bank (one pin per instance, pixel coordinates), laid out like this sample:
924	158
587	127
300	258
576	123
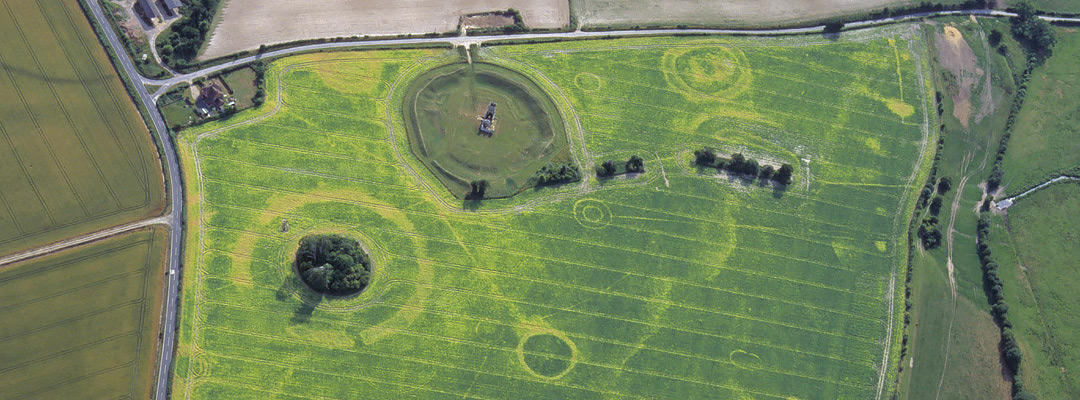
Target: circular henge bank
479	121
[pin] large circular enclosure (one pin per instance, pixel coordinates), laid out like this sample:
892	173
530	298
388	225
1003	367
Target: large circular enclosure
473	122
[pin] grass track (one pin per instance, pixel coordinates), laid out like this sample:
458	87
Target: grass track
672	284
81	323
75	155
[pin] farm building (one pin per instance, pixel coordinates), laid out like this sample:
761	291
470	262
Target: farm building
171	8
146	11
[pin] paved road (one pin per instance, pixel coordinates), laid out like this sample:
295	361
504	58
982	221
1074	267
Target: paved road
465	40
176	217
90	237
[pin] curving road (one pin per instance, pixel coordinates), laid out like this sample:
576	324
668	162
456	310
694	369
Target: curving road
175	218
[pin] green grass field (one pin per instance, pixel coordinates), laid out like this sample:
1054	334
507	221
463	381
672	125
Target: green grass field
442	111
674	284
1046	140
82	323
74	153
953	342
242	84
1039	253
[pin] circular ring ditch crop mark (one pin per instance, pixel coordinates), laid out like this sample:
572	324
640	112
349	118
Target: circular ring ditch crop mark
549	363
406	278
587	82
592	214
710	71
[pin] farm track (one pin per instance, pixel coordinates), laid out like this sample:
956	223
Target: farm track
175	218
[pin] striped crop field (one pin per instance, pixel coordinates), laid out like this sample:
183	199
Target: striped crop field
75	156
81	323
677	283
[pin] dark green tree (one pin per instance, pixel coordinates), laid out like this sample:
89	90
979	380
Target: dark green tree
606	168
705	157
751	168
783	175
635	164
737	162
333	264
935	205
944	185
1031	30
766	172
478	188
320	277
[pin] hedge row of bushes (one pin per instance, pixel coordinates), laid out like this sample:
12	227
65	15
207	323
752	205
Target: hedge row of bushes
552	174
943	186
739	164
1038	39
993	285
260	83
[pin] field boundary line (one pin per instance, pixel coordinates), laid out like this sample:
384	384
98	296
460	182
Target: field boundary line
81	240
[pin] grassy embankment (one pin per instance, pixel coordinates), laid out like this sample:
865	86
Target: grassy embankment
676	283
82	323
953	344
75	156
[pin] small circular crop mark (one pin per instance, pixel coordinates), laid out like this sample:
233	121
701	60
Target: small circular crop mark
547	354
592	214
587	82
745	360
199	367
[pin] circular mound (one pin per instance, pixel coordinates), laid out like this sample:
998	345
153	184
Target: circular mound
714	71
547	355
444	108
333	264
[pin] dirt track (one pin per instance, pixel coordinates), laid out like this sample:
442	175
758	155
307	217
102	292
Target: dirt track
246	24
727	12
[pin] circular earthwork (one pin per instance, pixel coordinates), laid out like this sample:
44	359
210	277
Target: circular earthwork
444	109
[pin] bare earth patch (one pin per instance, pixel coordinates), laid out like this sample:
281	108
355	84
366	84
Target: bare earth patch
957	57
246	24
488	20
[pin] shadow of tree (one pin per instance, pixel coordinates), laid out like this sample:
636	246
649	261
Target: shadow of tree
303	314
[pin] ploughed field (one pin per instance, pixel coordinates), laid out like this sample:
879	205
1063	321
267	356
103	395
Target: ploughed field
677	283
74	155
81	323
